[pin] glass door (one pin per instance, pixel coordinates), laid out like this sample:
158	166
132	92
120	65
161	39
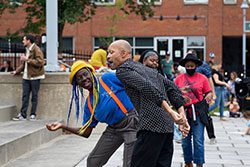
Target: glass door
162	46
177	47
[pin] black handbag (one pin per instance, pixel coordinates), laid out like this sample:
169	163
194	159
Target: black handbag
202	107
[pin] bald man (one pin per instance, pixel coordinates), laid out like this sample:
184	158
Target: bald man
147	91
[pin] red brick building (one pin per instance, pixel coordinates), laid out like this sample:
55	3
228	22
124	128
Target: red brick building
178	25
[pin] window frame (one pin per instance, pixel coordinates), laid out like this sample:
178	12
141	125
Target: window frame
134	47
195	2
198	47
155	3
230	3
103	3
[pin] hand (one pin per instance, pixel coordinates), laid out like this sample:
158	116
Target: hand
185	89
209	98
54	126
13	72
184	129
214	96
187	99
228	87
178	119
23	58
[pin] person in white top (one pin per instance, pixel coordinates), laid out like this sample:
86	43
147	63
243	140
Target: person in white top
33	71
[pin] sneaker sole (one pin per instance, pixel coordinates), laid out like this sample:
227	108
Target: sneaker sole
19	119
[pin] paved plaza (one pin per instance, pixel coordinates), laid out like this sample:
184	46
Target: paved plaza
232	149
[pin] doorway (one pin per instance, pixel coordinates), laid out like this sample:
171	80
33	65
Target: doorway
175	45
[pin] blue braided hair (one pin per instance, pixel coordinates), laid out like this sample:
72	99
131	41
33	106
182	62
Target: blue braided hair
75	97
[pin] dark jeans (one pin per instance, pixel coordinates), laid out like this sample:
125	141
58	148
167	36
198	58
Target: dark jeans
152	149
33	87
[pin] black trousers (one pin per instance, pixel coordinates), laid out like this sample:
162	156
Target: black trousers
210	128
152	149
30	86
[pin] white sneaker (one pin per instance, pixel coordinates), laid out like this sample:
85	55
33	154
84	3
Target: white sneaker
32	118
212	141
19	117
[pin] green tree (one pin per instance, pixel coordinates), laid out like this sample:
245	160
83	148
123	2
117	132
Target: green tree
73	11
7	4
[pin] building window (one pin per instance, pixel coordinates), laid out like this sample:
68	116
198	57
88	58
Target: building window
142	44
104	2
230	2
138	44
156	2
129	39
197	43
100	41
195	1
67	45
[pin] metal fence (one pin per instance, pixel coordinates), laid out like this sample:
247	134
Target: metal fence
13	52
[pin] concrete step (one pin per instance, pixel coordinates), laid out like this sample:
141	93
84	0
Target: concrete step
66	150
20	137
7	112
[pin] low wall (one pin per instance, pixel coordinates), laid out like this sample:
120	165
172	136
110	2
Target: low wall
54	95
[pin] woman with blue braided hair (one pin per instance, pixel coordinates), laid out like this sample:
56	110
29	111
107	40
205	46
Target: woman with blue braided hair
107	102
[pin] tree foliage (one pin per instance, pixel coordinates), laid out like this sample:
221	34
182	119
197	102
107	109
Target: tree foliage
7	4
73	11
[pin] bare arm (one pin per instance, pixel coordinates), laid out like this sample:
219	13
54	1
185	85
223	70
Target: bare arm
217	81
211	83
57	125
176	117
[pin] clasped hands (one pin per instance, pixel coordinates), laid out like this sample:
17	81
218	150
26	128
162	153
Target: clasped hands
181	120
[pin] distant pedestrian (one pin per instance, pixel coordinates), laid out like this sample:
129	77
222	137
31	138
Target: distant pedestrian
211	59
197	88
219	84
231	82
99	57
233	106
206	70
33	71
6	67
167	64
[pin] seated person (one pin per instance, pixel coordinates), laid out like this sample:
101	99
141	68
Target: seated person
233	107
6	67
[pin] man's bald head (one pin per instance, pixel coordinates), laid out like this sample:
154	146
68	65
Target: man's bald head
119	51
123	45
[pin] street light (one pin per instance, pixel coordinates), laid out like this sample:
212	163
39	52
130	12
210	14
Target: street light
244	6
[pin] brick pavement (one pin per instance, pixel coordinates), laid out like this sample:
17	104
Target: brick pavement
232	148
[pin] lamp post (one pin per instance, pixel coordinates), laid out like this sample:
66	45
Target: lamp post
244	6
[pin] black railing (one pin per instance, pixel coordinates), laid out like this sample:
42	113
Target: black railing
13	51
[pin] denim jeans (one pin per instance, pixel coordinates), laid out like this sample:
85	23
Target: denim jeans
33	87
194	152
219	102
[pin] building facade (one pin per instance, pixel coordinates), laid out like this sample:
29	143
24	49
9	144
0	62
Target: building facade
177	26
